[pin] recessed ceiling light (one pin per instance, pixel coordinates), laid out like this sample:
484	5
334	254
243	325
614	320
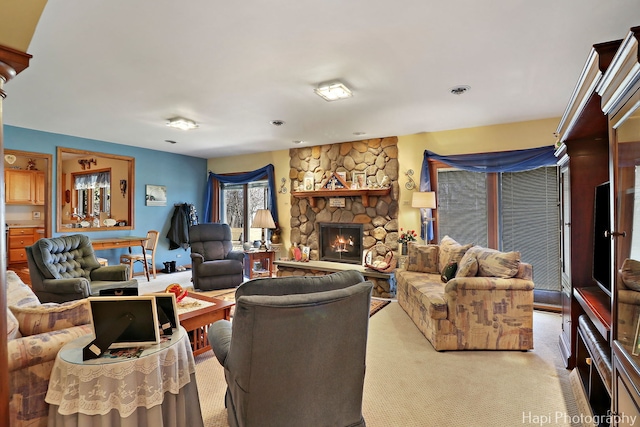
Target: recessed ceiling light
277	122
333	91
359	133
297	141
170	141
459	90
182	123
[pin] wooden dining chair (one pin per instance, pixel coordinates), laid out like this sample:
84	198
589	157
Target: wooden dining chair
149	257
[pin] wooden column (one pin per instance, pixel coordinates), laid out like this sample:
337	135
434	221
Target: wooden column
12	62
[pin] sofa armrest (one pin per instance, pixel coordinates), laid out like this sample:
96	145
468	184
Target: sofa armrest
196	257
219	335
77	285
115	273
487	284
36	349
237	255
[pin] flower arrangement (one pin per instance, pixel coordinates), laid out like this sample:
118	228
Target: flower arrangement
407	236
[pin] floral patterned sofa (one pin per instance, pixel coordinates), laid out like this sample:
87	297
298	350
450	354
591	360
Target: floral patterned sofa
464	297
35	333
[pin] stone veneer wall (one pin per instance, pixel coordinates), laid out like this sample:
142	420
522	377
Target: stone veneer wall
378	158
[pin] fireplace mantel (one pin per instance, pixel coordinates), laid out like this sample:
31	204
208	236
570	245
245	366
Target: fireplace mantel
341	192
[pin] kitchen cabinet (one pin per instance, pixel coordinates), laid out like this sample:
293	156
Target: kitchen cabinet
24	187
19	238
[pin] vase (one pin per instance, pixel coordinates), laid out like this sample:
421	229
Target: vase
404	249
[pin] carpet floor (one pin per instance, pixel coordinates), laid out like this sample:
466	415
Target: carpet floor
410	384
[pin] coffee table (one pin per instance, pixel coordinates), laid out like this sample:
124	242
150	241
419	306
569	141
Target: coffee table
196	321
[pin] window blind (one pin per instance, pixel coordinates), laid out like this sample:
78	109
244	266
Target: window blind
462	206
530	220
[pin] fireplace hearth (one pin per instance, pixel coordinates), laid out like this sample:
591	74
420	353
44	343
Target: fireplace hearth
341	242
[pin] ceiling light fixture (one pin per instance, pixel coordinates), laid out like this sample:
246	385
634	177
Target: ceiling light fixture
297	141
459	90
333	91
277	122
170	141
182	123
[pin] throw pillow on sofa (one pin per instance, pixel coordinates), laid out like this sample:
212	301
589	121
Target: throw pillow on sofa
468	265
449	272
422	258
52	317
450	251
630	274
493	263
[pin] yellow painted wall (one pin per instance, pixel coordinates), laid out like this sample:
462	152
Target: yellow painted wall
19	20
504	137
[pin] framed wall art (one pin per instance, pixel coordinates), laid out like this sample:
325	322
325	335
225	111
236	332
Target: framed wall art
156	195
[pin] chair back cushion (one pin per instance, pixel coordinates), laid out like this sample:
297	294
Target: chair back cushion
212	241
65	257
294	358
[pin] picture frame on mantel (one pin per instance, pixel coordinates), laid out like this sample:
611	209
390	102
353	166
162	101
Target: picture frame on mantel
155	195
360	179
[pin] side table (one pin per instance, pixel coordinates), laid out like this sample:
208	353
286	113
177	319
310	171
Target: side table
155	389
258	263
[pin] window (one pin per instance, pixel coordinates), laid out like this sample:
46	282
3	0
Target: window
530	222
462	206
520	214
93	193
238	205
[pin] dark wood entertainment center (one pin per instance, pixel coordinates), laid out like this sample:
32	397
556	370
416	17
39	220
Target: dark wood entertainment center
599	142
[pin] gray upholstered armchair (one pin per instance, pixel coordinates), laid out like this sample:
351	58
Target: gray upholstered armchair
295	352
65	269
214	265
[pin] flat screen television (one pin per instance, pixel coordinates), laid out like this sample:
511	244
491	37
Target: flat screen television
601	241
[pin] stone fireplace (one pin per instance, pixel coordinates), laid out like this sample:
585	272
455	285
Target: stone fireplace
340	243
378	216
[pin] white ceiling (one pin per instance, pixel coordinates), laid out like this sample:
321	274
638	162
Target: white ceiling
117	70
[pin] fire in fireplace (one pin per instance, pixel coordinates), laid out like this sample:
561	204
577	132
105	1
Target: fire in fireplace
341	242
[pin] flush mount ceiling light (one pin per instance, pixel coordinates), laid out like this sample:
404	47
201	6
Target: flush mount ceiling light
297	141
459	90
333	91
182	123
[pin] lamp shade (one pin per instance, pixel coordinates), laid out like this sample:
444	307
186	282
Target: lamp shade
263	219
424	199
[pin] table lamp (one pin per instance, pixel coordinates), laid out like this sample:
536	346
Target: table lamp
263	219
424	200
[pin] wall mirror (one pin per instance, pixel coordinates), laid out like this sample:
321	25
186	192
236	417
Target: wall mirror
95	190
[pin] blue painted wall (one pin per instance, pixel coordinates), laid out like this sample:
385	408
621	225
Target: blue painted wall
184	176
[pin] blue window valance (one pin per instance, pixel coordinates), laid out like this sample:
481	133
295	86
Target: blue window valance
503	161
243	178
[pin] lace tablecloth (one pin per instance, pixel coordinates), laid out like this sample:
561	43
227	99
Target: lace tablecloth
96	387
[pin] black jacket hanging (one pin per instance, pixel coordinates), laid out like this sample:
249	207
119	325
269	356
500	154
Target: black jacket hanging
178	234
